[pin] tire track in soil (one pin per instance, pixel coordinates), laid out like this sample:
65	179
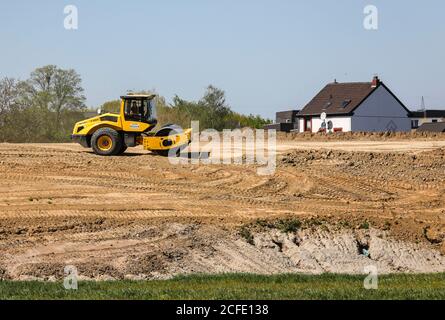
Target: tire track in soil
70	190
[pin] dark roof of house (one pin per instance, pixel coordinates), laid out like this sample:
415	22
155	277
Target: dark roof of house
283	127
428	114
338	98
287	112
432	127
342	98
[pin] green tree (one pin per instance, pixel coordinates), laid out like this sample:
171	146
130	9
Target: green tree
112	106
15	121
214	107
55	91
9	95
212	111
43	108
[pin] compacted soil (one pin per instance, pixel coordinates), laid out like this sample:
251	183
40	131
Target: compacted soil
334	206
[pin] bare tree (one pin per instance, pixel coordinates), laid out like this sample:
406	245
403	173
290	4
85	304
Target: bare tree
9	98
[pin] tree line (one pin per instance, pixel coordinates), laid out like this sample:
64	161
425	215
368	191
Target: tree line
45	107
42	108
212	112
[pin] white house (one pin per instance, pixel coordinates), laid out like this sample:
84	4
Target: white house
358	106
426	116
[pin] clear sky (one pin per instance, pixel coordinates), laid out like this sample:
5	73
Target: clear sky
267	55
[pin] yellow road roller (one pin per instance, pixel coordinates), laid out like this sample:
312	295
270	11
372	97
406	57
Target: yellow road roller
111	134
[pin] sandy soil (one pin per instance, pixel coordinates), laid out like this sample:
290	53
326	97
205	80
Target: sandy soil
137	216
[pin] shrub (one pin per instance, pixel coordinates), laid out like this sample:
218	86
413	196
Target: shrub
288	225
247	235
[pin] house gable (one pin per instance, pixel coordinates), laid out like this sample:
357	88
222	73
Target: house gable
381	103
381	111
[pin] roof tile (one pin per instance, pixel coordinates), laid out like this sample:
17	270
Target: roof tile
338	98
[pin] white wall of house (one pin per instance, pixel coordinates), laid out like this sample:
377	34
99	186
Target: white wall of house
380	112
421	121
301	125
337	122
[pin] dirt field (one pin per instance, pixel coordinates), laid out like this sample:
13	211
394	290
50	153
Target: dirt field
334	206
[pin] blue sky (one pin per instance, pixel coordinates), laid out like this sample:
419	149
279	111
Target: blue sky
267	55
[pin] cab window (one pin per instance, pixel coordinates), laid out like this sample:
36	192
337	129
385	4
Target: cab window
136	110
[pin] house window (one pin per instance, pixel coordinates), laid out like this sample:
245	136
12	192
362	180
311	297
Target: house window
308	124
414	124
345	103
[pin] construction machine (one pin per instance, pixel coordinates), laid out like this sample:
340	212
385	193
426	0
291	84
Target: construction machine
111	134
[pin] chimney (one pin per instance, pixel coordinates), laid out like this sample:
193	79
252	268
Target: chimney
375	82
